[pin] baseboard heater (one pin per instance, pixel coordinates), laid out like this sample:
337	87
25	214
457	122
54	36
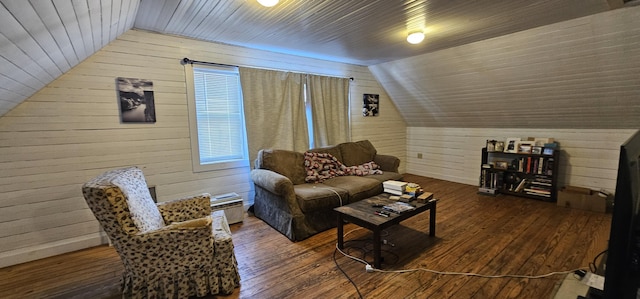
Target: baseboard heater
232	205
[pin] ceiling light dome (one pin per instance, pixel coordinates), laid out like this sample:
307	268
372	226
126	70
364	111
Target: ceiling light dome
268	3
415	37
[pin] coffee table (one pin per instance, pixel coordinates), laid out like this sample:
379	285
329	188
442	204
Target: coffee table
363	214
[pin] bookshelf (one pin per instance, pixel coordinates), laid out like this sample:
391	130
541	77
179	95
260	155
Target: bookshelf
520	174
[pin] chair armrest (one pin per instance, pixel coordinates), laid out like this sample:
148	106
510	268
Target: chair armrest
272	181
387	162
187	208
193	223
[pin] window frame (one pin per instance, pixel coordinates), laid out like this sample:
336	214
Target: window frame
193	125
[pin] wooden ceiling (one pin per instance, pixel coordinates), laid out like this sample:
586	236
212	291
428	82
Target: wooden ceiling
42	39
365	32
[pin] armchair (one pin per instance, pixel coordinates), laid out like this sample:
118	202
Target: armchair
174	249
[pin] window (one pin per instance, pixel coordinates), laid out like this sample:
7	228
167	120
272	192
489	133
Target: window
218	138
309	113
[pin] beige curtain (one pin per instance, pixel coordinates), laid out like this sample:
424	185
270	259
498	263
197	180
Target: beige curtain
274	110
329	97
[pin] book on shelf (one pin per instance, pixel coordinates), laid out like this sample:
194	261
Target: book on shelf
520	186
537	191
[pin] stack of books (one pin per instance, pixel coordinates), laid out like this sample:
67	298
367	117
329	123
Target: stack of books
394	187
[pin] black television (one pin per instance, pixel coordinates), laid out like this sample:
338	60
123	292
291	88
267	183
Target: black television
622	267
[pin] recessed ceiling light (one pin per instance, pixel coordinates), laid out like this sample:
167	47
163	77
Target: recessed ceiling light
415	37
268	3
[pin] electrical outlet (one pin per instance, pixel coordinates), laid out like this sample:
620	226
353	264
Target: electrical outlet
419	155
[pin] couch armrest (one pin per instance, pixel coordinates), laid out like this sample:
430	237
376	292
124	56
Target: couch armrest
280	190
187	208
387	162
272	181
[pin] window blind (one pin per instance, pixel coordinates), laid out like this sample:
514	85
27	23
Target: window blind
219	115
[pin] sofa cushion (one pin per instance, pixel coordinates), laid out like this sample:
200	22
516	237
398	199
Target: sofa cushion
356	153
358	187
315	197
284	162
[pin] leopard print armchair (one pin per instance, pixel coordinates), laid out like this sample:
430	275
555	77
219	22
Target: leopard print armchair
174	249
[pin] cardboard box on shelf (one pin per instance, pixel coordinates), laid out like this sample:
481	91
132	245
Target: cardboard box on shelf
581	198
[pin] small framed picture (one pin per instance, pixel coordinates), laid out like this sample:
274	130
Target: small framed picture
525	147
502	164
499	146
370	104
511	145
491	145
536	150
547	151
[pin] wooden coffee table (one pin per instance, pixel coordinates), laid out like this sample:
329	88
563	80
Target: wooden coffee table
363	214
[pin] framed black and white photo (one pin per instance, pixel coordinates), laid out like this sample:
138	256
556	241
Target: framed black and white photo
370	105
511	145
135	97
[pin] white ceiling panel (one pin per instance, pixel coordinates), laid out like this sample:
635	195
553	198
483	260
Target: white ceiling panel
364	32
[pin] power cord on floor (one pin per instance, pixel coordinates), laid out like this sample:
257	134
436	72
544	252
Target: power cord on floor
593	265
345	273
369	269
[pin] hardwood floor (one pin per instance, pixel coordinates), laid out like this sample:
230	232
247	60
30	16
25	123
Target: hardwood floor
474	233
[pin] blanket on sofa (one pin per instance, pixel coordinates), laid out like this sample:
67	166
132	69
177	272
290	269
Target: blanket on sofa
322	166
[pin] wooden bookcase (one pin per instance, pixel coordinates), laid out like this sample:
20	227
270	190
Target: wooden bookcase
527	175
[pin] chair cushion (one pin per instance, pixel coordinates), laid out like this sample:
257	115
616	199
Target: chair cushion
143	210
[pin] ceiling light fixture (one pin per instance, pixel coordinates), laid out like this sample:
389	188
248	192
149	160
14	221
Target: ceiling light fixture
268	3
415	37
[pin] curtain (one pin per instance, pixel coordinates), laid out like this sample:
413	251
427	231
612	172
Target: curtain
329	97
274	110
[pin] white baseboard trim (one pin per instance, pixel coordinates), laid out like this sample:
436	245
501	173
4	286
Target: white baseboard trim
23	255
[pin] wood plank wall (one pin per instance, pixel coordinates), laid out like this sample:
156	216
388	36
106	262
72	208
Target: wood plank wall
69	132
589	158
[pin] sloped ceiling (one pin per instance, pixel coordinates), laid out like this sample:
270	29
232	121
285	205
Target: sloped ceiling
578	74
42	39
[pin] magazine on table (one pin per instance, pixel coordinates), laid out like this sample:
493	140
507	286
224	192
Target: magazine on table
398	207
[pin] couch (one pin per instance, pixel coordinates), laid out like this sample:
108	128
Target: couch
298	208
173	249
